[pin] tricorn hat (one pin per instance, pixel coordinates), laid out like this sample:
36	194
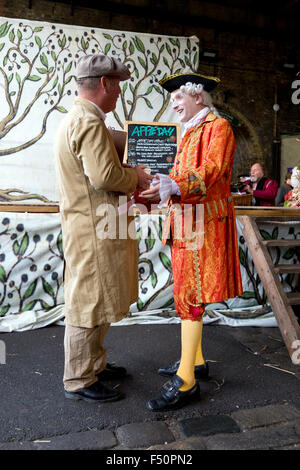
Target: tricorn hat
96	65
173	82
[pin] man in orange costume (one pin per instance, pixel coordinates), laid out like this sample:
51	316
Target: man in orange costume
203	272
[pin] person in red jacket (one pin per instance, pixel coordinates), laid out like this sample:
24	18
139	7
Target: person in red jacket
263	189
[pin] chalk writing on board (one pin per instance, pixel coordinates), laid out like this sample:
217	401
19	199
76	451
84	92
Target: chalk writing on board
152	144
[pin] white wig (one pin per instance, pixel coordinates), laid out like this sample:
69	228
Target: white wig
197	89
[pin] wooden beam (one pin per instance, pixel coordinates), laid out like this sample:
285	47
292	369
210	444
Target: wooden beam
39	208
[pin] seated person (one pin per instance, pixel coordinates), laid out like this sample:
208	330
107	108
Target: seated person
284	189
263	189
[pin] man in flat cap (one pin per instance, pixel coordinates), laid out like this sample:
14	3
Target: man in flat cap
101	274
207	269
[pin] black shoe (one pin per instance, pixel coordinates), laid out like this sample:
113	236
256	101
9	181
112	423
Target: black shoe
171	397
111	372
97	392
201	372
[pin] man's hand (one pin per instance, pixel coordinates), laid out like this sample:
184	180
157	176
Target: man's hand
248	189
144	180
152	194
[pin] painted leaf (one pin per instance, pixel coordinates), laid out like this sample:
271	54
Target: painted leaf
4	29
16	247
38	41
34	78
243	259
29	306
107	36
4	310
153	279
148	102
59	243
142	62
61	109
38	29
139	304
24	244
107	47
30	289
150	240
2	274
139	44
47	287
44	60
165	261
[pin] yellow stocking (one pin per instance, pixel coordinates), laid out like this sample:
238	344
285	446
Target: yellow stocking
199	359
191	332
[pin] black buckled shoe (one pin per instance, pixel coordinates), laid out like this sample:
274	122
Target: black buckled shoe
111	372
171	397
97	392
201	372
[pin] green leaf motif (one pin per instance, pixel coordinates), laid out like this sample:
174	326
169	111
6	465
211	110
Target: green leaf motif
131	48
38	29
165	261
33	78
150	241
2	274
265	234
142	62
12	36
243	259
68	68
61	109
153	279
248	295
2	45
18	78
30	289
139	44
24	244
107	48
148	102
38	41
4	29
59	243
4	310
107	36
42	70
44	60
16	247
139	304
289	253
29	306
47	287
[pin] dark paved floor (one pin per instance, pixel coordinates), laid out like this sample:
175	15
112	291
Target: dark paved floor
34	407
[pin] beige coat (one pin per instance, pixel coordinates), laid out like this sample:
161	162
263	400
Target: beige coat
101	275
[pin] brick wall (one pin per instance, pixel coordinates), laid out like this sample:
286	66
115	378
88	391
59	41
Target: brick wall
248	65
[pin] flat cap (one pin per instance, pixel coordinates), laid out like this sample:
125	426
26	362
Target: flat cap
96	65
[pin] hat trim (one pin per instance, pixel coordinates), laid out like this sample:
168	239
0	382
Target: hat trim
162	81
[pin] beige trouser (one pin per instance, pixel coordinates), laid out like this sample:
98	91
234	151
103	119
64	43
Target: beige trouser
84	355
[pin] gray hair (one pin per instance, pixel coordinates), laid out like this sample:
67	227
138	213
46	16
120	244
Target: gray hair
87	83
197	89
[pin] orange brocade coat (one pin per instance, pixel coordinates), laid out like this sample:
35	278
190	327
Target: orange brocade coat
202	170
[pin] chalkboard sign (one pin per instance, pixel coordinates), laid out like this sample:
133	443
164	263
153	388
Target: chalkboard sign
153	144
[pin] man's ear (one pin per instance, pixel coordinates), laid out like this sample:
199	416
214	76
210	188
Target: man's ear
198	98
104	83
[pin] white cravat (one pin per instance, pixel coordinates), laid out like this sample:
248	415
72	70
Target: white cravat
167	185
195	120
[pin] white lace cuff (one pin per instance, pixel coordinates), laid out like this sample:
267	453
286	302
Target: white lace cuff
167	188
